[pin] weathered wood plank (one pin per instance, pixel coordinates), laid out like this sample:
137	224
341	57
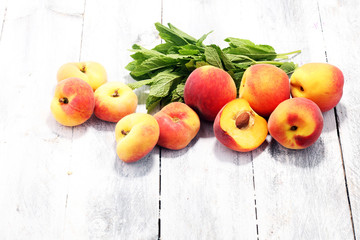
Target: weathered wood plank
109	199
34	149
207	190
300	194
341	30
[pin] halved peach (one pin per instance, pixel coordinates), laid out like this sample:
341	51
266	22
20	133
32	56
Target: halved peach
239	127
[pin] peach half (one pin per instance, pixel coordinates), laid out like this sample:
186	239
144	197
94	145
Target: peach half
239	127
136	135
264	86
178	124
296	123
73	103
320	82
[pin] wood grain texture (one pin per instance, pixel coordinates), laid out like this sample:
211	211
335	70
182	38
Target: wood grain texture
34	148
341	29
207	190
109	199
300	194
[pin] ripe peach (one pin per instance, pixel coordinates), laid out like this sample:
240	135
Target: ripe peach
264	86
296	123
91	72
207	90
73	102
113	101
238	127
178	124
136	135
320	82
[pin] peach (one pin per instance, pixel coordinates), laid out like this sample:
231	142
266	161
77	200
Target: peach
136	135
113	101
91	72
178	124
264	86
320	82
73	102
296	123
238	127
207	90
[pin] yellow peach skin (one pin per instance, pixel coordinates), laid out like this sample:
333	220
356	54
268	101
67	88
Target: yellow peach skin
296	123
207	90
73	102
239	128
113	101
91	72
178	124
264	86
136	135
320	82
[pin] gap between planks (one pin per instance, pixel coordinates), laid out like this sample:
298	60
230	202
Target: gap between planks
3	24
159	219
337	123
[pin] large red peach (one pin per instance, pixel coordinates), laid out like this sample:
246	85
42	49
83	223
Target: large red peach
207	90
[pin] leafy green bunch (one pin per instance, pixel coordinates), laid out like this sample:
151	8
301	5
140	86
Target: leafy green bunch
166	67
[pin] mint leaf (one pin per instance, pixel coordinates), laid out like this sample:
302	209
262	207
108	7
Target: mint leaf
154	63
237	42
189	50
201	40
138	84
131	65
164	47
180	33
288	67
162	83
170	35
212	57
152	102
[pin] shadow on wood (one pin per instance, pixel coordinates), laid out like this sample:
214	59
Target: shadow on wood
307	158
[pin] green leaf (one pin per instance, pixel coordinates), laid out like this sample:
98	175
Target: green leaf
154	63
248	48
182	34
238	58
244	65
162	83
288	67
152	102
189	50
237	42
201	40
200	64
170	35
164	47
131	65
138	84
178	93
190	65
212	57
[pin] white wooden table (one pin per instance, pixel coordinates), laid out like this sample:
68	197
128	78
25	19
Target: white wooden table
67	183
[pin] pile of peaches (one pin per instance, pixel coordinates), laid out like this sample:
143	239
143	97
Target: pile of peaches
268	101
